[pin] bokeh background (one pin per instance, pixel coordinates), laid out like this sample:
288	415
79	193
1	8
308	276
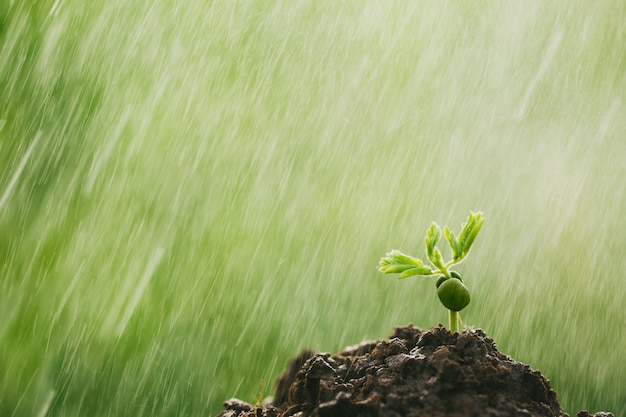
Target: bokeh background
192	192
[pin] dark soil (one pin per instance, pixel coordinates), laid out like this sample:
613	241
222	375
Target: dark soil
413	373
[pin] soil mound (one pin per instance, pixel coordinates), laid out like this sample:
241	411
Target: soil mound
414	373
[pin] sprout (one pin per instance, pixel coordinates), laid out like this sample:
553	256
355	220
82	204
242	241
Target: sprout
451	291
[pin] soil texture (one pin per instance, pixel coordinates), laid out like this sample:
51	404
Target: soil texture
414	373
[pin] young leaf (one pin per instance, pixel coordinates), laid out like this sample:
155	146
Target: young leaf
396	262
432	238
454	243
422	270
467	228
480	220
470	230
400	257
394	268
437	260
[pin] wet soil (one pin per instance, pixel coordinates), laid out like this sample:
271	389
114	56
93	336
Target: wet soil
414	373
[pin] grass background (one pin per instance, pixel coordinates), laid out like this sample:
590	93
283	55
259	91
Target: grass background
190	193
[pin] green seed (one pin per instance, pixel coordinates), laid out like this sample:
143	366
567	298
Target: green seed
440	280
453	294
456	275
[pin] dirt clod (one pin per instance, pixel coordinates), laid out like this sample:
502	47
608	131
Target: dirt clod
414	373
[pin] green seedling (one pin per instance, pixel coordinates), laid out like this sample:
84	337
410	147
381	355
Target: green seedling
451	290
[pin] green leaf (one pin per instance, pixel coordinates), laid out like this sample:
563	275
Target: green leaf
479	221
432	238
402	258
396	262
470	230
454	243
423	270
437	260
394	268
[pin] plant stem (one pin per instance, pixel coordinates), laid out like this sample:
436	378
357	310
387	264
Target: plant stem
454	321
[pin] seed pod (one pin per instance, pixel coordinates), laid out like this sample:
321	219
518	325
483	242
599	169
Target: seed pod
453	294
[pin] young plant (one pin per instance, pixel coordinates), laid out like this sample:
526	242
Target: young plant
452	293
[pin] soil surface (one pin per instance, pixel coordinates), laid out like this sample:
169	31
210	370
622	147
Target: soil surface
413	373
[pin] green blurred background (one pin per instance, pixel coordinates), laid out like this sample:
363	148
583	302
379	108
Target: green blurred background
191	192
